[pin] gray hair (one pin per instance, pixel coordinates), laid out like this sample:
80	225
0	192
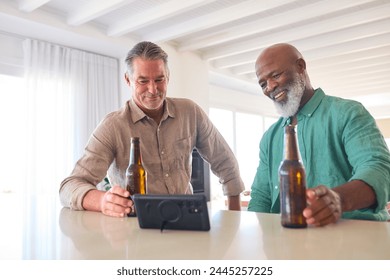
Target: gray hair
147	51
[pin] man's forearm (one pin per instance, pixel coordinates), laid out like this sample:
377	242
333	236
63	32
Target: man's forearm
92	200
356	195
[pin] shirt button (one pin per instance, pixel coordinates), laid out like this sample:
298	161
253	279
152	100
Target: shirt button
162	152
276	187
166	175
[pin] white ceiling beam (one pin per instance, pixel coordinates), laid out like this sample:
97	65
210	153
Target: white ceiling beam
345	35
359	56
374	41
35	25
320	51
88	11
151	16
342	88
232	13
367	75
228	81
378	62
354	60
31	5
236	60
325	27
311	10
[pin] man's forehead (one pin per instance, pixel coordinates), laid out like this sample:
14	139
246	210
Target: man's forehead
147	68
266	64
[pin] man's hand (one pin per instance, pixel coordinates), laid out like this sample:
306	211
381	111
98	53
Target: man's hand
323	206
116	202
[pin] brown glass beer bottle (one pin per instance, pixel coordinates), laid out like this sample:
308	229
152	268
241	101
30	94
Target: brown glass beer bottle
135	173
292	180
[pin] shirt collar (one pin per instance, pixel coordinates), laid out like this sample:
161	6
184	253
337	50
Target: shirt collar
309	108
169	108
137	114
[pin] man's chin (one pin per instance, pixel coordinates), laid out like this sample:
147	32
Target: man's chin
285	112
153	107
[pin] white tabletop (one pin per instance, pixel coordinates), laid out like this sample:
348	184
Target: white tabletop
41	229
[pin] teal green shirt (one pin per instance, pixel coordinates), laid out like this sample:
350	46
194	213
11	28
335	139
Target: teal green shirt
339	142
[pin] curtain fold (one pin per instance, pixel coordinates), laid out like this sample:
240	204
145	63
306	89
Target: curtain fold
68	92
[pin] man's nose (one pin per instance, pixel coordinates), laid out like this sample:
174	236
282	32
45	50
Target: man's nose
271	86
152	87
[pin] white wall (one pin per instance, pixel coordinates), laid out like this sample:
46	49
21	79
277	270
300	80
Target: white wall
11	55
189	77
384	126
238	101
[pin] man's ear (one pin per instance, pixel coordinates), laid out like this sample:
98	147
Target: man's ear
127	78
168	74
301	65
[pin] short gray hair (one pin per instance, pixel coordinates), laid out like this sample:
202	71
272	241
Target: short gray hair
146	50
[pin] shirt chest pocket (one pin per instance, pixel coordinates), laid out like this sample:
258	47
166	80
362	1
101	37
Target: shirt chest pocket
180	152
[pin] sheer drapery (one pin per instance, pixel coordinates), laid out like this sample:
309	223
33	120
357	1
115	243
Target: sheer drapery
68	92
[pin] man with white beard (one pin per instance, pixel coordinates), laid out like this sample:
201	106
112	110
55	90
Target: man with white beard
346	159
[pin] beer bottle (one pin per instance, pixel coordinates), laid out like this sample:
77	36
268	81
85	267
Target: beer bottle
135	173
292	181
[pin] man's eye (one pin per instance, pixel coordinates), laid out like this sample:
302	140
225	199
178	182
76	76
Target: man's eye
276	76
160	80
262	85
142	82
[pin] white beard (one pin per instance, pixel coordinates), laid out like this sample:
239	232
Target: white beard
295	93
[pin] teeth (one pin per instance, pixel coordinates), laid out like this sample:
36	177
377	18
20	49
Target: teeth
278	95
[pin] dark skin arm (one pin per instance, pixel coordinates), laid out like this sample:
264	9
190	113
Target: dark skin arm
326	205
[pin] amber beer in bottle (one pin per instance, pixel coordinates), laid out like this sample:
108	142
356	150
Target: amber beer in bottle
135	173
292	180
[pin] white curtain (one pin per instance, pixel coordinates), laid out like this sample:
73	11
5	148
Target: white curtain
68	92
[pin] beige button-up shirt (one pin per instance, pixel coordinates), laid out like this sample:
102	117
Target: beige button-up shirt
166	150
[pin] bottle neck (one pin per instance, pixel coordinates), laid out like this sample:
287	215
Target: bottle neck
135	152
290	143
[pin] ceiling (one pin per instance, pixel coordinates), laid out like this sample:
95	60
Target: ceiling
346	43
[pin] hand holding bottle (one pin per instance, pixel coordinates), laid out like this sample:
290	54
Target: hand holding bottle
323	206
115	202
